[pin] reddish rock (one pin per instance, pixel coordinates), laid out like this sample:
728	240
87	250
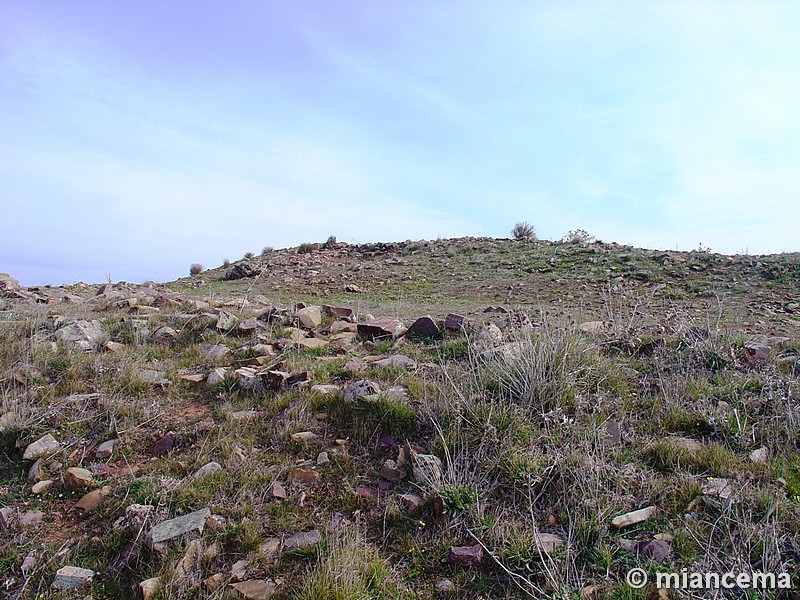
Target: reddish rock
455	322
165	444
381	328
424	328
338	312
465	556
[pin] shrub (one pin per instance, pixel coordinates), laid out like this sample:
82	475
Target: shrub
578	236
196	269
523	232
226	263
249	255
330	242
267	250
306	247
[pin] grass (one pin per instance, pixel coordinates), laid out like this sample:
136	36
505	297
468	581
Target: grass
522	435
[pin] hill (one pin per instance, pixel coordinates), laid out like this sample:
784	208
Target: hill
455	418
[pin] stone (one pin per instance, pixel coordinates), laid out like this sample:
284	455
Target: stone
166	443
354	366
634	517
756	352
310	317
391	471
207	469
82	335
148	588
312	343
211	584
226	321
105	450
250	325
398	360
303	476
7	517
189	561
381	328
244	415
173	528
239	569
72	578
760	455
216	376
247	378
613	432
136	516
36	473
255	589
29	564
682	443
361	389
278	491
31	517
152	377
548	542
304	436
78	477
46	445
363	491
192	377
40	487
215	351
595	327
338	312
240	271
657	550
322	459
489	335
455	322
164	335
325	389
718	492
115	347
93	499
427	470
424	328
269	550
411	502
445	586
343	327
302	540
465	557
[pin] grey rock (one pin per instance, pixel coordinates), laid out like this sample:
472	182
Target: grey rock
82	335
361	389
174	528
106	449
44	446
71	578
398	360
302	541
207	469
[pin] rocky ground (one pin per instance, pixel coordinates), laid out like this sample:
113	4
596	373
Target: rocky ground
470	418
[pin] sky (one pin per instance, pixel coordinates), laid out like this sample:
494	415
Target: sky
141	137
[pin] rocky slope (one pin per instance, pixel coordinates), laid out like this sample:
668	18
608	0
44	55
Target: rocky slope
460	418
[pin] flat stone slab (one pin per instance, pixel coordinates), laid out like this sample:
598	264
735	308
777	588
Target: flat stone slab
302	540
72	578
254	589
634	517
173	528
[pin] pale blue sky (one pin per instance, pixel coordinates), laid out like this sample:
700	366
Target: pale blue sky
141	137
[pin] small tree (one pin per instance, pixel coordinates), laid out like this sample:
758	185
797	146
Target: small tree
523	232
196	269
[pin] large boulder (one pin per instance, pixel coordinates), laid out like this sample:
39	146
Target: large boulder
381	328
240	271
82	335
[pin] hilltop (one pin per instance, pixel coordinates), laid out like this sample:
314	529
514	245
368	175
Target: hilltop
458	418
